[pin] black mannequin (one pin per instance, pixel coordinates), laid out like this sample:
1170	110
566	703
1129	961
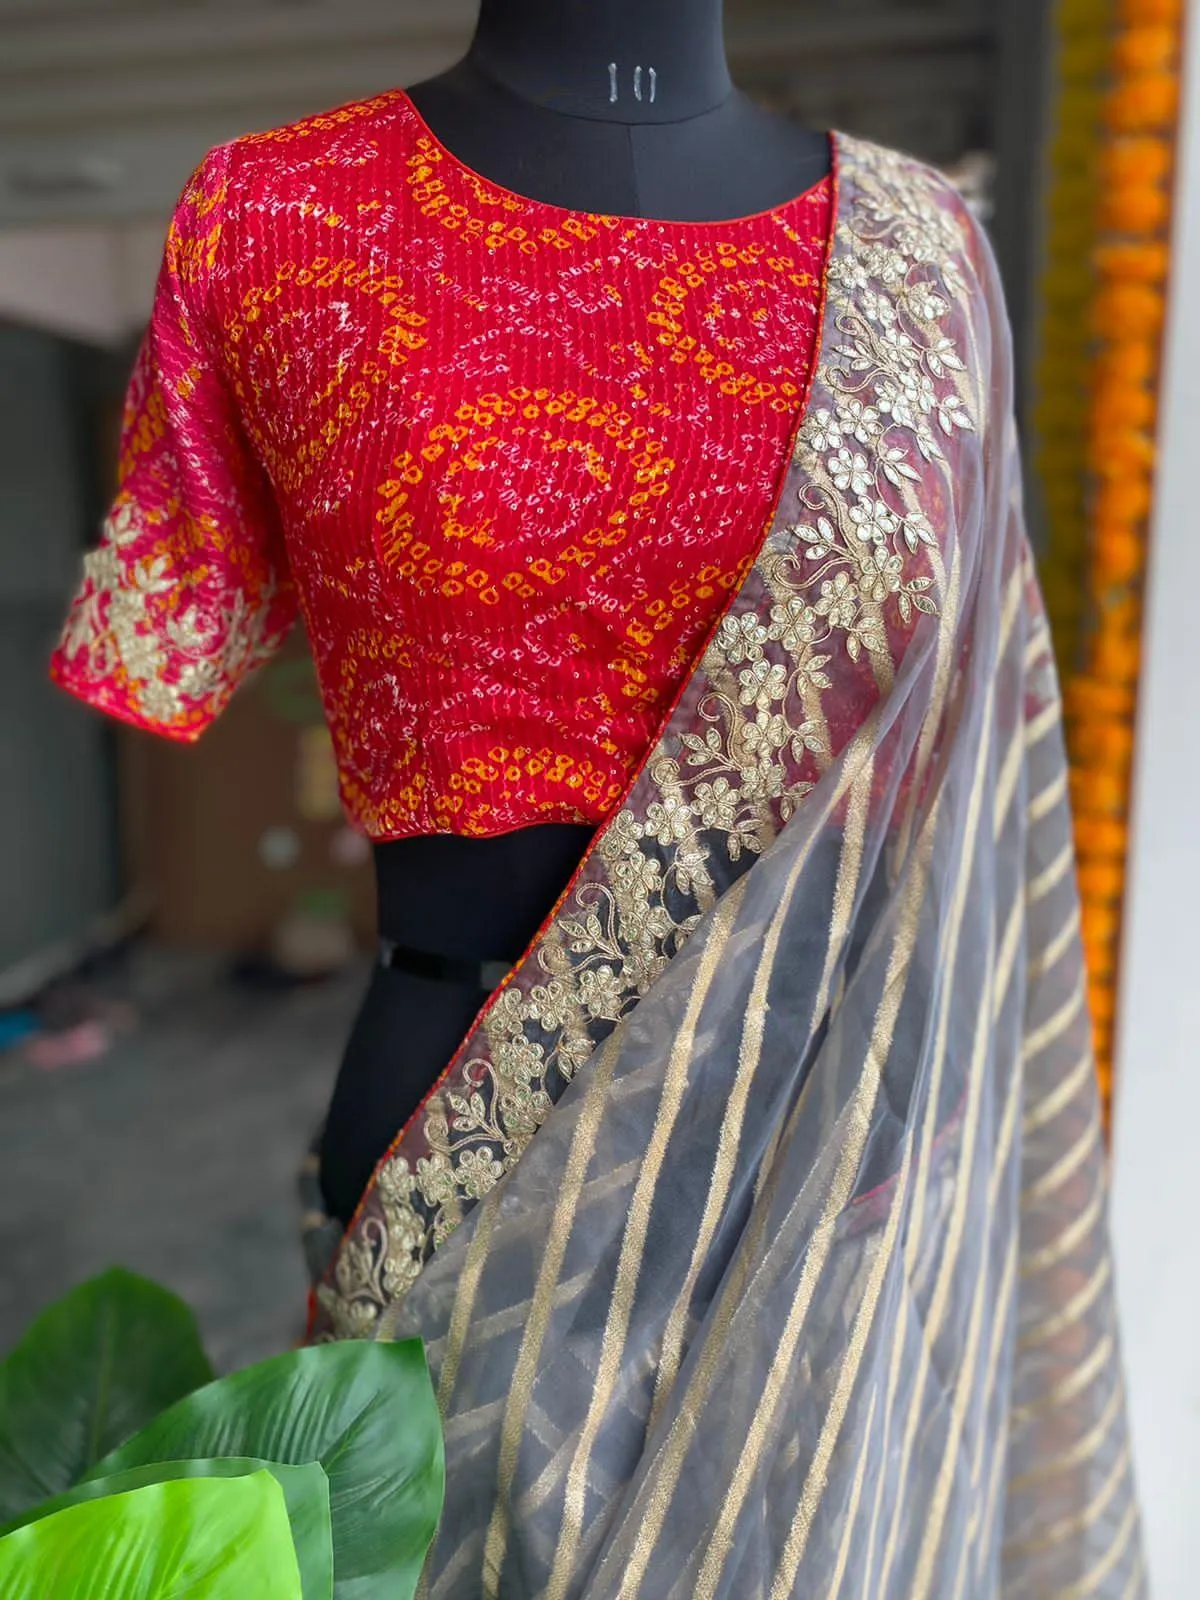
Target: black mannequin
618	106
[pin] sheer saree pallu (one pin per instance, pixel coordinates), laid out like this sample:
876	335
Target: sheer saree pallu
757	1230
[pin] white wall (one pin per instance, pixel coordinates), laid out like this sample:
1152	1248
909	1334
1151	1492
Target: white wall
1157	1125
91	281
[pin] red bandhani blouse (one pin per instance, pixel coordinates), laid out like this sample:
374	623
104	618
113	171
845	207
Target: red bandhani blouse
509	461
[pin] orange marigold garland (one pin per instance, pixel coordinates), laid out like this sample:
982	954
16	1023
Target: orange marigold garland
1104	311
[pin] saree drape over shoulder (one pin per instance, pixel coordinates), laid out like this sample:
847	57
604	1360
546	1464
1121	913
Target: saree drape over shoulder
757	1230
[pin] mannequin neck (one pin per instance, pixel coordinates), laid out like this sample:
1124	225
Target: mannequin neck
630	61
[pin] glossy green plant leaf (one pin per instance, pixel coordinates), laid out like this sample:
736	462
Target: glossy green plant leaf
305	1493
365	1411
206	1538
91	1371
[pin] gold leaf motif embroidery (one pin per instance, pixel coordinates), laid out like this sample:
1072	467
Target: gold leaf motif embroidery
833	595
170	666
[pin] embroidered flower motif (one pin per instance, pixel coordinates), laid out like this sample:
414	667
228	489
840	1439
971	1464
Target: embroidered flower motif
925	302
807	737
824	432
762	684
522	1113
669	819
849	274
549	1004
478	1172
600	990
520	1058
838	601
887	266
882	575
879	309
396	1180
851	472
874	520
622	836
793	624
765	735
435	1179
862	422
716	803
741	638
637	876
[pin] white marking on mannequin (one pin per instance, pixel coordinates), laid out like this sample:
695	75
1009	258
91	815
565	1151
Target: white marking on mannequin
651	80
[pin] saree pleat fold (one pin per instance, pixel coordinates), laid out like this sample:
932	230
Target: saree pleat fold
758	1230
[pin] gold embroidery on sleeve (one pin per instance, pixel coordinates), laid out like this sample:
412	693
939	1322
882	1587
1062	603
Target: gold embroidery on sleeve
136	625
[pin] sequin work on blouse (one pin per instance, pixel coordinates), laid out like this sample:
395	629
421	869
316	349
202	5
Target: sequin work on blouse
508	460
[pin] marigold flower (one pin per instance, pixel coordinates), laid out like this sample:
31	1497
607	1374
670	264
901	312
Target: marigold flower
1101	960
1108	743
1085	696
1147	262
1129	308
1102	880
1101	838
1123	499
1121	408
1115	655
1140	159
1126	361
1102	1003
1099	923
1150	100
1135	13
1118	557
1097	791
1117	452
1150	47
1134	209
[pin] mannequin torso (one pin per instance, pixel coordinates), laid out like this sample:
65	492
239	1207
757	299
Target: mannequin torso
623	107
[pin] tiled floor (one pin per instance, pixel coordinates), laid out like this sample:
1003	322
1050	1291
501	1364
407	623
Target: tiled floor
175	1154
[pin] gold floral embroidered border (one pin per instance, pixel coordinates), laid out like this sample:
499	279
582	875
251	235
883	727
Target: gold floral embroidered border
809	645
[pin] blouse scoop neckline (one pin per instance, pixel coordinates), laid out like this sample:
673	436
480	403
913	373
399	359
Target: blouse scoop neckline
781	209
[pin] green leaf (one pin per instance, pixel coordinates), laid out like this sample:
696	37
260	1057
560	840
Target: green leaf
206	1538
305	1492
365	1411
91	1371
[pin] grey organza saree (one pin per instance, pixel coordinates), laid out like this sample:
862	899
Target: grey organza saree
757	1230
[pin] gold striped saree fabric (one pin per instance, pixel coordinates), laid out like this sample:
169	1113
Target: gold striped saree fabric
757	1231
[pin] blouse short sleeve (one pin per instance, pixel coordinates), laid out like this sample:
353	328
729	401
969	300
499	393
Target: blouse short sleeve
188	588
